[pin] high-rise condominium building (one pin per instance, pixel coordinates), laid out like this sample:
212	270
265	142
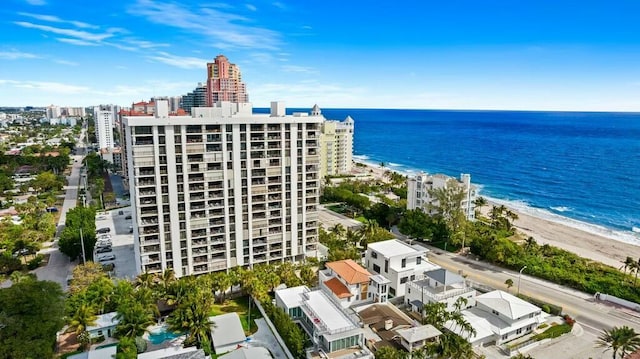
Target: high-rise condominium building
224	82
104	117
222	187
419	192
336	145
195	98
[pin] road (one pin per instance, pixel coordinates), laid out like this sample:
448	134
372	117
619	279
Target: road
59	266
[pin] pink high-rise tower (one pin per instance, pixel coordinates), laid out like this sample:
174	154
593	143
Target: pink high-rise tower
224	82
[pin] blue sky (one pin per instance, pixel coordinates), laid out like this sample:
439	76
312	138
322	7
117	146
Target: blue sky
530	55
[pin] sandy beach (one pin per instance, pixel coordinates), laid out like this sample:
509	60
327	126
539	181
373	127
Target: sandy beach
585	244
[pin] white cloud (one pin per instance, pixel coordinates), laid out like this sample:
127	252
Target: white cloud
145	44
55	87
16	55
280	5
251	7
36	2
76	42
78	34
52	18
299	69
223	29
183	62
66	62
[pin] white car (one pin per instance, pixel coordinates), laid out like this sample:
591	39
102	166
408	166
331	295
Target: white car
106	258
101	218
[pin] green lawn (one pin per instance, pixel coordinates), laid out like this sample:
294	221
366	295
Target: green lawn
338	208
241	306
361	219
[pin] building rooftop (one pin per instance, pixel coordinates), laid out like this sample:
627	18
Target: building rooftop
444	277
350	271
248	353
104	321
339	289
174	353
291	297
327	312
380	279
226	329
506	304
394	247
416	334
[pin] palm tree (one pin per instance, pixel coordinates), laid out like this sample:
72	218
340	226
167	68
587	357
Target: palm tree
145	280
81	319
166	279
134	319
628	264
508	283
192	316
368	230
623	339
338	230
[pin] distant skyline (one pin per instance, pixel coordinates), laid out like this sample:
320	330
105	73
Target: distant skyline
510	55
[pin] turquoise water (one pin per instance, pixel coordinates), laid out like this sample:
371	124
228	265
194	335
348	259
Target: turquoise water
162	334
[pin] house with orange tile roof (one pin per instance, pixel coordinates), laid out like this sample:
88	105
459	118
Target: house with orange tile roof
349	283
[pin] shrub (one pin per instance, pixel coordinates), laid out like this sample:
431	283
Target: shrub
543	325
567	319
35	262
141	345
546	309
553	332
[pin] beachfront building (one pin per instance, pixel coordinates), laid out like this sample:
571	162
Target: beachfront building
439	286
224	82
349	284
334	332
336	145
399	262
222	188
419	189
499	317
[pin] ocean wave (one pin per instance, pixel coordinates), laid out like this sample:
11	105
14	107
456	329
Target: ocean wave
628	236
361	157
395	164
561	208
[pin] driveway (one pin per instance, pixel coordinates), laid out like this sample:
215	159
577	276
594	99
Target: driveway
266	339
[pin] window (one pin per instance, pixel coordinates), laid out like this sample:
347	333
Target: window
505	336
386	266
374	255
376	268
404	262
413	277
495	312
403	280
519	331
418	260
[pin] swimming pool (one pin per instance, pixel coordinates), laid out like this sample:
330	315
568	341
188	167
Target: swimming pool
161	333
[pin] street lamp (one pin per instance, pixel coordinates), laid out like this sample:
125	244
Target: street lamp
519	276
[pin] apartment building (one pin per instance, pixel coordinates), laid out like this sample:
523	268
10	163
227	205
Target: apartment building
223	187
399	262
334	332
336	145
439	286
420	186
104	117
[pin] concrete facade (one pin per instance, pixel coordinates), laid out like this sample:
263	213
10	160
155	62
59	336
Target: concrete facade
336	146
222	188
419	196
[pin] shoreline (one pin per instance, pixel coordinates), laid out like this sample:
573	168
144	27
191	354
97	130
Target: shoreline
586	244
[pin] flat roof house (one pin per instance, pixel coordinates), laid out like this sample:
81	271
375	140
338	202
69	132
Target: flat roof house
333	332
105	325
438	286
499	317
226	332
399	262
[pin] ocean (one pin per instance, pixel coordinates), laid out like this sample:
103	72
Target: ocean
581	169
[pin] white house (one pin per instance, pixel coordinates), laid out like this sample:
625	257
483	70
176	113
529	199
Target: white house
248	353
174	352
417	337
439	286
329	326
349	283
399	262
105	325
419	192
226	332
499	317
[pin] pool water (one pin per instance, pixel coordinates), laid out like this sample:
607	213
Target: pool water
162	334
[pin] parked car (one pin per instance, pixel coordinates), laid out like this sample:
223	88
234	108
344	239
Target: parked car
104	236
104	249
103	243
103	230
128	216
52	209
101	218
106	258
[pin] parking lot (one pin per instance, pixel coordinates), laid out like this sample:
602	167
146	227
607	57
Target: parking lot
122	241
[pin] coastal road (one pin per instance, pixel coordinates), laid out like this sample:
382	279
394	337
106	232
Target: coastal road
592	315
